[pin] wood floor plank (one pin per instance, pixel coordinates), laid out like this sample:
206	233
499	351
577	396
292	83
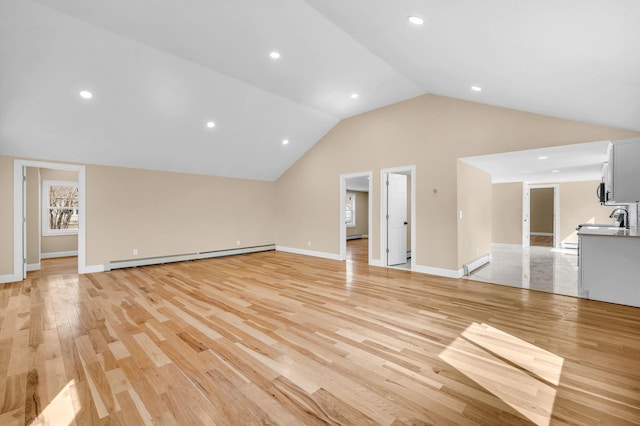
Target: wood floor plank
278	338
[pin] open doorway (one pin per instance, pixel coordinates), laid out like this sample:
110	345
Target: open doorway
52	215
23	216
397	217
543	215
355	216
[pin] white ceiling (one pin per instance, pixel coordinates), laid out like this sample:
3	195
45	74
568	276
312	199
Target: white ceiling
569	163
360	183
160	70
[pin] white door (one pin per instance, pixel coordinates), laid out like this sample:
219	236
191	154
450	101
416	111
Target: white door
24	222
396	219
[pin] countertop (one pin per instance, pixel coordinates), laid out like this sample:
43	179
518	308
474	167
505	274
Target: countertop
609	231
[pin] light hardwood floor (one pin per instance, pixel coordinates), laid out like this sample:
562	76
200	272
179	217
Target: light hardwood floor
279	338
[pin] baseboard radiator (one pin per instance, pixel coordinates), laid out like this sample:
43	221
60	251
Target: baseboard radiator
132	263
355	236
475	264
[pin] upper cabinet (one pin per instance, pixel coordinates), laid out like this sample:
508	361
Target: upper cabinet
621	174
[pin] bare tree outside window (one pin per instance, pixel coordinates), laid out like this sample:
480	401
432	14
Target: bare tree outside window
63	207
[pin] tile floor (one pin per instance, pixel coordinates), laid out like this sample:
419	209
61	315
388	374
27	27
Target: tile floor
537	268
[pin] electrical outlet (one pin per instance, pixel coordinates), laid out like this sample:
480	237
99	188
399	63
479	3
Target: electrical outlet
238	242
135	252
460	214
309	243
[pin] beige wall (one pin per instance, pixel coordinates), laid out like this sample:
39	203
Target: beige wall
430	132
579	204
541	210
163	213
33	216
362	214
507	213
58	243
474	201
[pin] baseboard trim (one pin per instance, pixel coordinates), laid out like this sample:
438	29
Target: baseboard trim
308	252
376	262
33	267
91	269
573	246
357	236
159	260
449	273
9	278
55	254
471	266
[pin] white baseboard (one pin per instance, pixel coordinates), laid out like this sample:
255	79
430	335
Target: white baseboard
308	252
56	254
477	263
9	278
449	273
542	234
569	245
33	267
90	269
184	257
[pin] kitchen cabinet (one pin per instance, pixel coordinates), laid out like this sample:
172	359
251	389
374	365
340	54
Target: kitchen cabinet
620	173
609	266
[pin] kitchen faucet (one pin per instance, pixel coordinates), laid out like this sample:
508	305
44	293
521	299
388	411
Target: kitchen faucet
621	215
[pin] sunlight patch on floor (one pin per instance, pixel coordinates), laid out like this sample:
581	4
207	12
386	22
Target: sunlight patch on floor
520	374
60	410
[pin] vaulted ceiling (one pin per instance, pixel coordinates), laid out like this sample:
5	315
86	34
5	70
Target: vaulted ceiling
159	71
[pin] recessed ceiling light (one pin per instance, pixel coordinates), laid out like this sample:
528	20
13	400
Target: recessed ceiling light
415	20
476	88
274	55
542	157
285	141
354	96
211	124
86	94
555	171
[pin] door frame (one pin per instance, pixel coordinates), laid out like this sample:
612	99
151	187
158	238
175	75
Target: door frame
343	225
19	243
410	171
556	211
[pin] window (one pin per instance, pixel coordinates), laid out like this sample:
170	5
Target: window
59	207
350	205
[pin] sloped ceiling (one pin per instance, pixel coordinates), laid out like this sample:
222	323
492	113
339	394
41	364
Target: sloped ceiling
160	70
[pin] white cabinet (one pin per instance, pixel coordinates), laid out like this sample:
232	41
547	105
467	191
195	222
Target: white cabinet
608	265
621	174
